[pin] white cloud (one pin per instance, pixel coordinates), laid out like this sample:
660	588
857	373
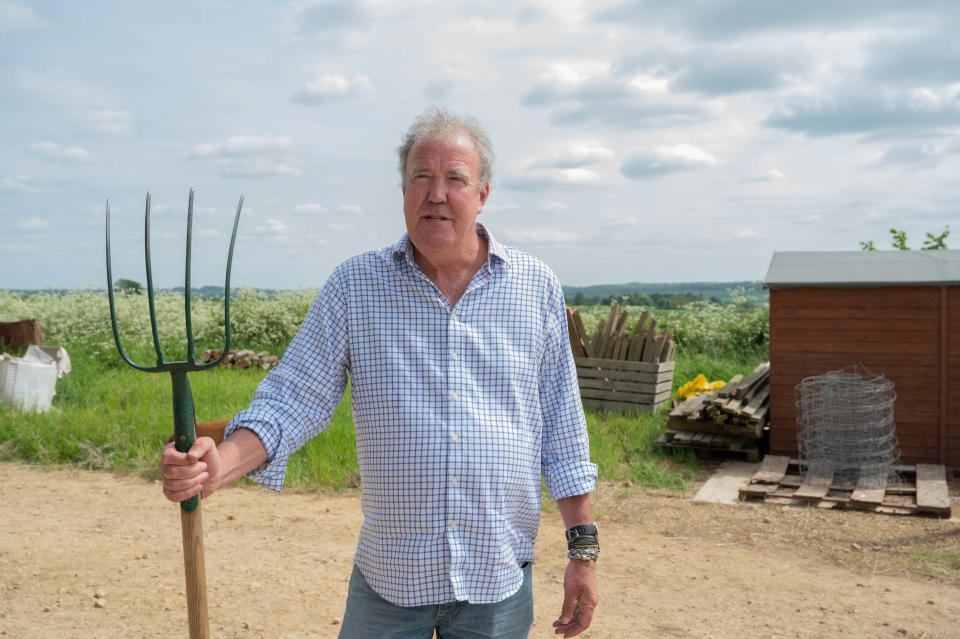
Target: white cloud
539	236
20	184
868	109
310	208
33	224
272	227
333	88
59	153
349	208
254	167
545	178
242	145
553	208
666	159
109	121
576	156
17	17
55	86
773	175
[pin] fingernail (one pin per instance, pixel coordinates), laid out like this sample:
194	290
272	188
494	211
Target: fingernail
564	620
202	477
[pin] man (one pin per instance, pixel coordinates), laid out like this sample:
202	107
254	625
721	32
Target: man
464	393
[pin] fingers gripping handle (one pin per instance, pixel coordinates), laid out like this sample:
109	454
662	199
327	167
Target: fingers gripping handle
184	424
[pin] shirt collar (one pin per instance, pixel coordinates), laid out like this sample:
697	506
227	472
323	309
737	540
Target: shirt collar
496	253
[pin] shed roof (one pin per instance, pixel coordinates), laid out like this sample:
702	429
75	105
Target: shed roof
790	269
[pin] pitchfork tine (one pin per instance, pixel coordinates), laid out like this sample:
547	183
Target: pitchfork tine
191	353
113	310
150	300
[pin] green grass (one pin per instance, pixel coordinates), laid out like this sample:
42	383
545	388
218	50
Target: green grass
107	416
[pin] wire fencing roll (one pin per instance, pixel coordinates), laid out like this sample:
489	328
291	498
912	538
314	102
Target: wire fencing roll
845	422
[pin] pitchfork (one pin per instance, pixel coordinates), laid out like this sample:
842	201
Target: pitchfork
184	425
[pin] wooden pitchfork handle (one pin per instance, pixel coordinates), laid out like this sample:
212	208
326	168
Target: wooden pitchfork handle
191	518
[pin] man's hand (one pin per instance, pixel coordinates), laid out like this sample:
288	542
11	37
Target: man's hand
579	598
187	474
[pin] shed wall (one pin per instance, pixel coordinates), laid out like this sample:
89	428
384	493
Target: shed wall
894	331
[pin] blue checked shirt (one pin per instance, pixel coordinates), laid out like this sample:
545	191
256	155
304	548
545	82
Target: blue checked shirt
458	412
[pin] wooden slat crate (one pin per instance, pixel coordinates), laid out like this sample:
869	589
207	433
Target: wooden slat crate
624	386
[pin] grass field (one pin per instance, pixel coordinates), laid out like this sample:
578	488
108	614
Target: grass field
107	416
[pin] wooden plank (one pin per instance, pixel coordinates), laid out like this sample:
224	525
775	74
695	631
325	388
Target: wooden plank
617	385
772	469
876	327
619	396
816	485
587	374
862	298
758	490
690	406
638	329
818	343
625	366
620	407
578	321
597	337
868	492
651	350
932	494
576	343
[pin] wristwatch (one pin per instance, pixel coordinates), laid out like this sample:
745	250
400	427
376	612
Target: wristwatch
584	530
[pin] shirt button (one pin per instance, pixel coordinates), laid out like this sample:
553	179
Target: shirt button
453	482
453	355
454	437
454	395
453	524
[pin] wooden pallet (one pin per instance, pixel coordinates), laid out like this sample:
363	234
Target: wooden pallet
922	489
710	444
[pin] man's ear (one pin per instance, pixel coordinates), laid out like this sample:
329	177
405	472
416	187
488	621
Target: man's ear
484	194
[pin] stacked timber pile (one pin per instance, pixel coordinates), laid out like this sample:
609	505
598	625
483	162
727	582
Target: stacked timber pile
622	371
610	341
731	420
241	359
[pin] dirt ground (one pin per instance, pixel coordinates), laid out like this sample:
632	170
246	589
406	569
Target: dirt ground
88	555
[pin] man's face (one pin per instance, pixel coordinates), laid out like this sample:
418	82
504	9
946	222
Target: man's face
441	200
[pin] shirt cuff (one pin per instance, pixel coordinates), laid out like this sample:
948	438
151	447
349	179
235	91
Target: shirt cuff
270	474
569	478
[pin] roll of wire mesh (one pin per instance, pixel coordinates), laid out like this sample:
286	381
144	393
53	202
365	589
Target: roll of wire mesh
845	421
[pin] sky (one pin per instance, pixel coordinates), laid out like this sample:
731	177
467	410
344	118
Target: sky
635	141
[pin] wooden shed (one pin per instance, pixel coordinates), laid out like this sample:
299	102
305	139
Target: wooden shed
895	312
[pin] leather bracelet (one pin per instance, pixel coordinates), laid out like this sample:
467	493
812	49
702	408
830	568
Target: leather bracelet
584	554
583	542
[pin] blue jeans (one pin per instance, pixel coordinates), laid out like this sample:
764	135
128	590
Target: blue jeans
369	616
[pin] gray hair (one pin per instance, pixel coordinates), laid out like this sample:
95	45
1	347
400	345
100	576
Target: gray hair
439	121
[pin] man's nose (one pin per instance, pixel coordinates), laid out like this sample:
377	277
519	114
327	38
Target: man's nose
438	191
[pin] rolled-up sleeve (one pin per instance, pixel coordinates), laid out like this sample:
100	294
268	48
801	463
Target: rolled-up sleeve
297	399
567	469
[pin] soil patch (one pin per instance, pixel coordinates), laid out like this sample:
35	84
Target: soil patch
88	554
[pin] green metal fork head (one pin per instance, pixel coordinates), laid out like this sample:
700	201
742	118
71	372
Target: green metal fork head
183	413
191	363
